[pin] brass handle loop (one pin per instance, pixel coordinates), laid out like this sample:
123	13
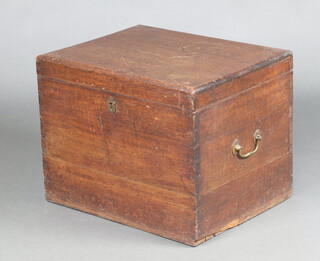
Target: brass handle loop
236	147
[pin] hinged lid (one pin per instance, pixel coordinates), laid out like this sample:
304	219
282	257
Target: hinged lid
174	68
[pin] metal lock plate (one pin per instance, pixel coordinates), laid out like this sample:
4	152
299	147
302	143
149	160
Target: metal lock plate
112	105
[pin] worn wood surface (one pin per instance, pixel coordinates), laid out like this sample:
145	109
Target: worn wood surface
134	166
142	141
245	197
232	190
140	205
162	161
163	66
237	118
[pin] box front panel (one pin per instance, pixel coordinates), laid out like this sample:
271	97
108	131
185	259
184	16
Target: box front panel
233	189
132	164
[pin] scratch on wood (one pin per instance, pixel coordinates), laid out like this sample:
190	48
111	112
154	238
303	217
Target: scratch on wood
183	48
184	185
108	154
179	99
109	193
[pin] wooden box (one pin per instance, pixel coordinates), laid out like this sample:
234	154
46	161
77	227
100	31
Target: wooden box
145	127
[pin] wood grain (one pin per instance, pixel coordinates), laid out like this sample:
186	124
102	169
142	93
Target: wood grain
147	142
162	161
266	107
165	66
243	198
232	190
98	79
163	56
220	90
132	203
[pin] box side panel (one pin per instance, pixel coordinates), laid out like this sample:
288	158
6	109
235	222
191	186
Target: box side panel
234	189
133	166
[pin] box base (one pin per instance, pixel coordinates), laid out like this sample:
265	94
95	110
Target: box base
195	243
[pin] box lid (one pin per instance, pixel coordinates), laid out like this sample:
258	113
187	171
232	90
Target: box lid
170	67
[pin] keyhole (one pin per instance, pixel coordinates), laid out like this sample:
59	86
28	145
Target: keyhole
111	105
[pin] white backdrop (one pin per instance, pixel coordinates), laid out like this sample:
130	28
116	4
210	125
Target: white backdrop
32	229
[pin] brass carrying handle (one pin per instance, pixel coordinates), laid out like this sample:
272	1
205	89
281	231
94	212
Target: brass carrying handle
236	147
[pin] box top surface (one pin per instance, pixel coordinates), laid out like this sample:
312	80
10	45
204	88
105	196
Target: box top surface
187	62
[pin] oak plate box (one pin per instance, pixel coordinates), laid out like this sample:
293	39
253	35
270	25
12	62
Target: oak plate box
180	135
